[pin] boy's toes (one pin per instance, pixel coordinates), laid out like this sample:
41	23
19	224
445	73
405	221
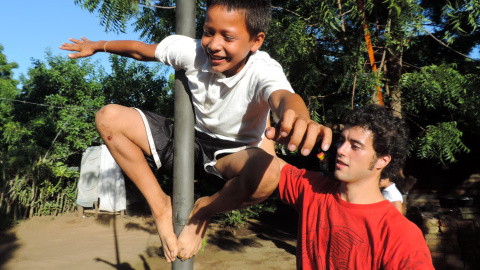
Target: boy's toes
184	257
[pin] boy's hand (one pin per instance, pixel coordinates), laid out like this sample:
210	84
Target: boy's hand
84	47
299	131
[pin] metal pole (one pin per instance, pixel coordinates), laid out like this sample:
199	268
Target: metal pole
184	135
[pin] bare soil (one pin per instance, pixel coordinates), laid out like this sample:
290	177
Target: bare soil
131	242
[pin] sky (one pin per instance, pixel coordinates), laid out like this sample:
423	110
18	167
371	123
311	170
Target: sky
28	28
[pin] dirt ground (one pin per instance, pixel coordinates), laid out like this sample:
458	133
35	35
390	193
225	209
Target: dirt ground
73	242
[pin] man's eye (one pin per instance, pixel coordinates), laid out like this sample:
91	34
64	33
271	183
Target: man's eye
206	33
355	147
229	38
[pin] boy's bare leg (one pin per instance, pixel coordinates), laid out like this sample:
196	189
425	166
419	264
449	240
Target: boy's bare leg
123	131
254	176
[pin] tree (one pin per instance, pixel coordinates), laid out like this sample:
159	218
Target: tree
8	91
337	54
47	125
136	84
51	123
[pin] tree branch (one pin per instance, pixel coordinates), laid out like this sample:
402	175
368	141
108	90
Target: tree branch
162	7
445	45
294	13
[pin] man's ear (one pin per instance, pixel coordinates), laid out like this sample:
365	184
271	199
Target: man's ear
383	161
257	41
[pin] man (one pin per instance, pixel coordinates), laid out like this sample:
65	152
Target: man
348	224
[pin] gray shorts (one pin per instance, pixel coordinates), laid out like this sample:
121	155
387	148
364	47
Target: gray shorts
207	149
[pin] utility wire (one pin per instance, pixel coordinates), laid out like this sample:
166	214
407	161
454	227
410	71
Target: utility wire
47	105
51	106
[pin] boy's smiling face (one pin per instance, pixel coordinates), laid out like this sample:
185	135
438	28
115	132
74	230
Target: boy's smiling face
226	40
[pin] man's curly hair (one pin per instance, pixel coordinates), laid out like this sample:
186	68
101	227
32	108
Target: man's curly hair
390	134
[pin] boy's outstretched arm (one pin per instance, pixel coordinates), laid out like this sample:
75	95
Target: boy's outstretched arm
295	128
128	48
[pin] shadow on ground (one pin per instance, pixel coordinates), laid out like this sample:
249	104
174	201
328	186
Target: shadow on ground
279	227
8	246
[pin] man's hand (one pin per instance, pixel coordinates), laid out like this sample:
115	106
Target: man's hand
84	47
299	131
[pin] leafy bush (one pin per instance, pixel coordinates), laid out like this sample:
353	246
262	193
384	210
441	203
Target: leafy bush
238	218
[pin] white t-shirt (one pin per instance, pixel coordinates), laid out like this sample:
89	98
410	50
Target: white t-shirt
234	108
392	194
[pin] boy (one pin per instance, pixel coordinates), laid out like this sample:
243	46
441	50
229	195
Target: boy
233	87
391	193
347	224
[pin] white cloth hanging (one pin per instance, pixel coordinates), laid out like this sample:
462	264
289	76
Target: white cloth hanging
111	189
101	177
89	177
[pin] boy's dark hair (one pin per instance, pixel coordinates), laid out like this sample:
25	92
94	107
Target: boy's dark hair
257	12
390	134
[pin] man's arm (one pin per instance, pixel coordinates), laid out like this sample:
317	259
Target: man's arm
128	48
295	128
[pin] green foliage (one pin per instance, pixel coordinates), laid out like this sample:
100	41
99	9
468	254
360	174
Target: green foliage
328	65
463	17
320	44
238	218
441	142
49	123
136	84
114	14
71	94
435	96
435	89
8	91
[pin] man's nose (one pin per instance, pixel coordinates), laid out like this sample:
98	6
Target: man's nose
341	148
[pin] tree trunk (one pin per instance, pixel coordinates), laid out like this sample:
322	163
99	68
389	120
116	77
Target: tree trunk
1	198
9	205
394	73
61	203
4	179
32	201
15	213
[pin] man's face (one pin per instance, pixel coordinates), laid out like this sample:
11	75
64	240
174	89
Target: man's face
226	40
356	158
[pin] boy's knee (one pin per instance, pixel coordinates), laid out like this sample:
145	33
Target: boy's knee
106	114
268	182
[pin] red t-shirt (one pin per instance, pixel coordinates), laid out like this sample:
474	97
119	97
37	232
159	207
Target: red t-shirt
335	234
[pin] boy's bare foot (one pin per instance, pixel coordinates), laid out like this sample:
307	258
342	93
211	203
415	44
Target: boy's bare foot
164	224
191	238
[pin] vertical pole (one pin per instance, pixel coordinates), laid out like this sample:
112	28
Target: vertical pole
184	135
